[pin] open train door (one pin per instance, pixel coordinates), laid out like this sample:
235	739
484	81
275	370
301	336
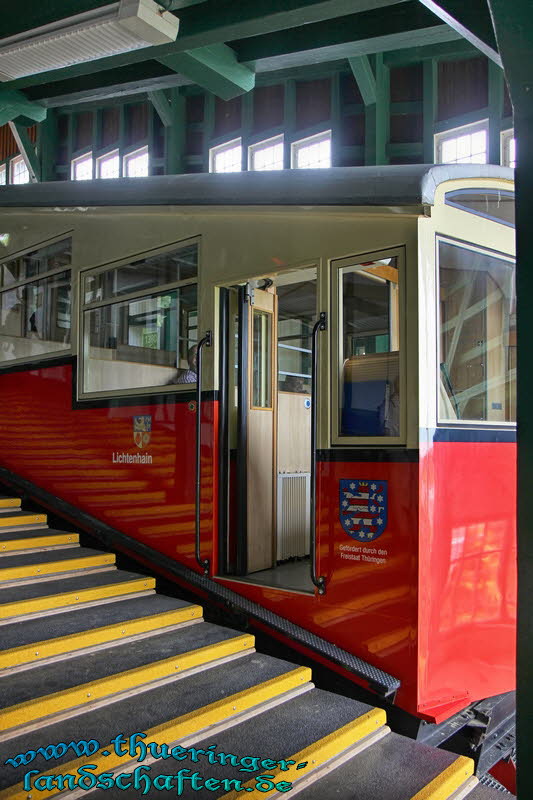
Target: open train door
257	407
265	468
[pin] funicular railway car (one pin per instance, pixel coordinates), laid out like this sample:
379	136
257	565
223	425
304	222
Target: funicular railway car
335	351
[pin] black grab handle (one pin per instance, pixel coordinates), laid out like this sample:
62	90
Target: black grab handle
207	340
320	325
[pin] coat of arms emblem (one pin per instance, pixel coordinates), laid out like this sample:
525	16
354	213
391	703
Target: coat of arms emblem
363	508
142	431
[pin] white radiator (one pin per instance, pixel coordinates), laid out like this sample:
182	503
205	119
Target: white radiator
294	497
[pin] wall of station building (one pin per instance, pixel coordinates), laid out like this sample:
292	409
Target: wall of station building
414	101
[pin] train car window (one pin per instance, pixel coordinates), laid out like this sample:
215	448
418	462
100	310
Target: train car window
477	335
493	204
35	303
134	338
369	396
45	259
144	273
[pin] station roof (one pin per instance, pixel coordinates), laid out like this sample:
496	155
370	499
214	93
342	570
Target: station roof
227	46
402	185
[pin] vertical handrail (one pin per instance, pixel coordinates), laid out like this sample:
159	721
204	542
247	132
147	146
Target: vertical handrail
320	325
207	340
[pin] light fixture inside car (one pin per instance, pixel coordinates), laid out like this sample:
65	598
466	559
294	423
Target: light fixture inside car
106	31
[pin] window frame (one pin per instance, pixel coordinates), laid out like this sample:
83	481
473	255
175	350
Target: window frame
272	141
126	298
135	154
4	172
315	138
506	137
99	159
455	133
75	161
221	148
54	355
12	162
337	355
461	423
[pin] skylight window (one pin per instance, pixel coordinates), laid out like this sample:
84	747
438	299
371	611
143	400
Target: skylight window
508	148
18	171
466	145
108	166
226	157
82	168
314	152
266	155
136	164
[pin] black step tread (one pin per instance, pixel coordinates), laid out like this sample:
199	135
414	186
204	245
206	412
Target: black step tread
36	533
41	681
129	716
28	591
394	768
49	556
276	734
63	623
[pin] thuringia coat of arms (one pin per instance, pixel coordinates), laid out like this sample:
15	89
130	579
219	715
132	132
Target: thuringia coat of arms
363	508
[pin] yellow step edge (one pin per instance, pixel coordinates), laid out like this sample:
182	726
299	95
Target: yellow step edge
51	567
176	729
33	710
320	752
41	541
34	604
9	502
445	784
77	641
26	519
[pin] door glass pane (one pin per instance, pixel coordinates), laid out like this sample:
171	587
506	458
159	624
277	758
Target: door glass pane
369	396
478	336
262	359
296	317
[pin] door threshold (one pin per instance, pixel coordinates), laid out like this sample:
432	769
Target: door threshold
263	584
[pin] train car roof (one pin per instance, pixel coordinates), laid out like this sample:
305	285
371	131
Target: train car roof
399	185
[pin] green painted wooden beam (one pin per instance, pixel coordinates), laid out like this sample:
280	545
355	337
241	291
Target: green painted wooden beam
214	68
27	150
429	114
514	33
472	20
456	49
496	87
382	110
364	77
14	104
162	106
47	146
226	21
175	135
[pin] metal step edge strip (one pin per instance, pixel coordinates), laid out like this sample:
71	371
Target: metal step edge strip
75	607
79	710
